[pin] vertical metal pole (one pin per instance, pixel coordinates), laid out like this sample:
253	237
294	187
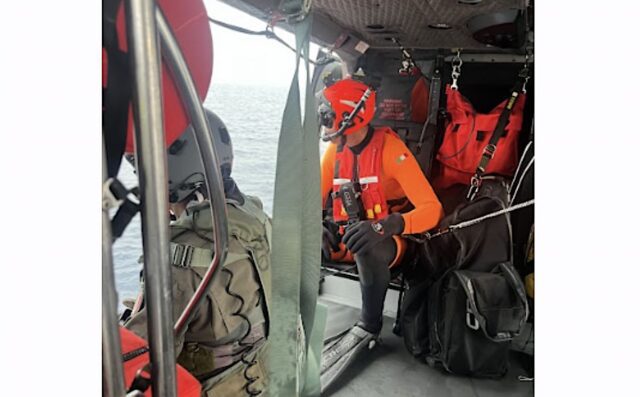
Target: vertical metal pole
113	379
152	173
180	70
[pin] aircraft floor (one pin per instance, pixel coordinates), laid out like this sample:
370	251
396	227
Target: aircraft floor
389	369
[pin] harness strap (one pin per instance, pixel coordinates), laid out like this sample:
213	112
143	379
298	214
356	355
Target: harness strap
431	124
188	256
123	217
142	381
499	130
116	95
296	236
116	195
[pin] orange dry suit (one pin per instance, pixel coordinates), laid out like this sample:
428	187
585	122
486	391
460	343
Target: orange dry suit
391	181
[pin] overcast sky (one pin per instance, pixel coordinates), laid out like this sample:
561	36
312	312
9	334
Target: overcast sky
245	59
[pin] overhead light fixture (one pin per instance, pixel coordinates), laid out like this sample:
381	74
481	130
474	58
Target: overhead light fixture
504	29
440	26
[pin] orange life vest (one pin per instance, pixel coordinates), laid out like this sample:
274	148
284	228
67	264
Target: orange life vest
190	25
365	169
187	385
467	135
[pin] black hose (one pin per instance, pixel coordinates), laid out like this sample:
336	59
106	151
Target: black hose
268	33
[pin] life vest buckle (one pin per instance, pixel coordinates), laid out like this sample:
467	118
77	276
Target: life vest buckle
489	151
475	186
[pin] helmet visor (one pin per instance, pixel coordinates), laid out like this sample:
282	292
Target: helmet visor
326	116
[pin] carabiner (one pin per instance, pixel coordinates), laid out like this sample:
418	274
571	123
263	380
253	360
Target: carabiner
456	66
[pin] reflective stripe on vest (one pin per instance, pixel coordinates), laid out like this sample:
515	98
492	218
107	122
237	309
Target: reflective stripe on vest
340	181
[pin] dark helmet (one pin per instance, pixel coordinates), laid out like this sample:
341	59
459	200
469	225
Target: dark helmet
186	174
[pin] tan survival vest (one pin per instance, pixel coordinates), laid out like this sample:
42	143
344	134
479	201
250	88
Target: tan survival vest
243	285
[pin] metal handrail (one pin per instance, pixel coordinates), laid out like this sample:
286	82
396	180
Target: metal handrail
173	56
152	174
112	375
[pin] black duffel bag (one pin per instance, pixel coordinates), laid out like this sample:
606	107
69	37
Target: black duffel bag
464	314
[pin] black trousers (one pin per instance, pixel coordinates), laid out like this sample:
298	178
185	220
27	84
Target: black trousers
373	268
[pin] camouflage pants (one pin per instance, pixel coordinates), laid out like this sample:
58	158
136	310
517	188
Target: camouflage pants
236	380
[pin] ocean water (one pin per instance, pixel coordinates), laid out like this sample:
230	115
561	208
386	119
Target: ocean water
253	115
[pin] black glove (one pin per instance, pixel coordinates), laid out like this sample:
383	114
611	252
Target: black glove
364	235
330	238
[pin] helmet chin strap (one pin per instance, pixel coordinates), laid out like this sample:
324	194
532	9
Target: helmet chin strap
348	121
199	196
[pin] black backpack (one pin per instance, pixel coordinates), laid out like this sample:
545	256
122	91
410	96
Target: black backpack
463	317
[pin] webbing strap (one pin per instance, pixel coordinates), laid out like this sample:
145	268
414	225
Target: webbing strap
116	195
312	321
312	384
189	256
431	124
296	233
116	96
490	149
123	217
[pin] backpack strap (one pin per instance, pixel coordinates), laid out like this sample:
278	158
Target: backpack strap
499	130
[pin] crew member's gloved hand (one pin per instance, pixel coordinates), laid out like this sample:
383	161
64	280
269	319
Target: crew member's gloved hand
330	238
364	235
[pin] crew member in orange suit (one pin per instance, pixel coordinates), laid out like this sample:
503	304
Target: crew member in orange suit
374	194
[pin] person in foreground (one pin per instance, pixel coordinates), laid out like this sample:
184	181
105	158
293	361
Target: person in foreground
374	193
223	346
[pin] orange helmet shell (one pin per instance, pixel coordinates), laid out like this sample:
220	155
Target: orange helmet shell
343	97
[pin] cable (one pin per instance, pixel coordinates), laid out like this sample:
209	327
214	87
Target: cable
422	237
268	33
524	173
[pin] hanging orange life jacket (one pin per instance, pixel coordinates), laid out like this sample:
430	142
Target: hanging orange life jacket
365	169
187	385
190	25
467	135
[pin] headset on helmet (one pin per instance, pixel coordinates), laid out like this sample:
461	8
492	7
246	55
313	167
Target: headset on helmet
186	173
340	100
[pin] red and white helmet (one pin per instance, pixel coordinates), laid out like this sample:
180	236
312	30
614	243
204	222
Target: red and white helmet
339	101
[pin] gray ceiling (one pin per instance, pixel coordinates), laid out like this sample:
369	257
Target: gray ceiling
407	20
410	19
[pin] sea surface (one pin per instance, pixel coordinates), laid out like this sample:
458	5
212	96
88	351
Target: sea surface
253	115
